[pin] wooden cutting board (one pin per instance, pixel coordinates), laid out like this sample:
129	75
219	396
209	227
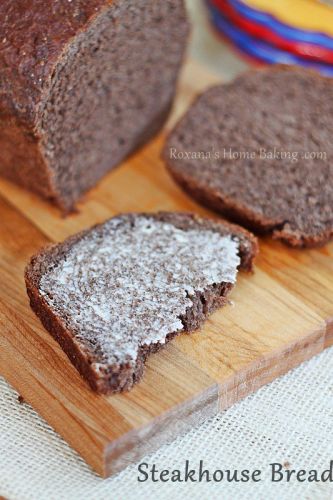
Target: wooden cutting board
281	316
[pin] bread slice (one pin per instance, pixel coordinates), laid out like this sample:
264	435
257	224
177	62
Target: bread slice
259	150
82	85
119	291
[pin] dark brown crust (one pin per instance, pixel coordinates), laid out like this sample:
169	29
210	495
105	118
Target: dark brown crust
121	377
230	208
31	49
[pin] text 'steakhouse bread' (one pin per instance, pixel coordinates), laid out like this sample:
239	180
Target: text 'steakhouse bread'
113	294
260	151
82	84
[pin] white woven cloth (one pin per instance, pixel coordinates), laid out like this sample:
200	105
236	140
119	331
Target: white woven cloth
290	420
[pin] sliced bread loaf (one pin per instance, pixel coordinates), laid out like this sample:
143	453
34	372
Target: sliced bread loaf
113	294
82	84
259	150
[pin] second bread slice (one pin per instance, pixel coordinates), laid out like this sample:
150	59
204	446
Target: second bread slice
259	151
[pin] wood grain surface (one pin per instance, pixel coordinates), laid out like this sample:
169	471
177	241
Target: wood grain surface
281	316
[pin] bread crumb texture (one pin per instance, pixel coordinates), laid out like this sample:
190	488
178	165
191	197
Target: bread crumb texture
129	283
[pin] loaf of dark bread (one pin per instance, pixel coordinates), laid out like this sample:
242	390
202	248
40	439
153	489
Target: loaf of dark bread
82	84
259	150
113	294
